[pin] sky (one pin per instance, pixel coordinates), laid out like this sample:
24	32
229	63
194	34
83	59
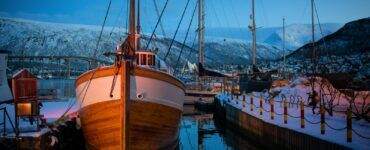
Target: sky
219	13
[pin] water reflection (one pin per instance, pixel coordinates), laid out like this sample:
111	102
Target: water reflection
201	130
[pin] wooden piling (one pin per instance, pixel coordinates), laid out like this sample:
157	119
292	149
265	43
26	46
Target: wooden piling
285	112
261	106
272	113
349	125
302	114
322	119
252	105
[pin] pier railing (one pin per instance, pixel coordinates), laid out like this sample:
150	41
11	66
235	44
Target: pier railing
257	104
5	114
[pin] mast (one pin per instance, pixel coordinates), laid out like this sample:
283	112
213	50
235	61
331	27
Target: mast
313	33
253	30
133	35
138	28
201	31
284	61
313	46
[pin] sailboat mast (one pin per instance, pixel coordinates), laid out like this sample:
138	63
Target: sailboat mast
201	31
313	30
253	29
313	46
284	61
138	27
133	35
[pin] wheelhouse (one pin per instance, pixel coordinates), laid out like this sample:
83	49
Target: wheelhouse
145	58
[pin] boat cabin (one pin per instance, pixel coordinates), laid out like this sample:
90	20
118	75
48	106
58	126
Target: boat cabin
145	58
149	60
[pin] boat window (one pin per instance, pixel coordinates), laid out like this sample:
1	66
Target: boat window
150	60
137	58
143	59
153	58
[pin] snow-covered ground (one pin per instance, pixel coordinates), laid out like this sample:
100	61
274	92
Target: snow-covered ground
336	133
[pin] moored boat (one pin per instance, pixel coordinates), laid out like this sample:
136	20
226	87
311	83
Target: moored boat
132	104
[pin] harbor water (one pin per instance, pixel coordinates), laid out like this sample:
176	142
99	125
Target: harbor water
198	130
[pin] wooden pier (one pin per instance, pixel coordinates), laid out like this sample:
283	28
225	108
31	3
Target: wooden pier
263	132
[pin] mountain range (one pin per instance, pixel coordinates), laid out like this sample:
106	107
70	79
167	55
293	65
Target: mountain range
28	37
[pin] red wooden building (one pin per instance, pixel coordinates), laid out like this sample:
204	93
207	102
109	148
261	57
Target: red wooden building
24	88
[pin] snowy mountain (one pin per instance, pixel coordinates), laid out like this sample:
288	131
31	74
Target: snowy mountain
55	39
342	57
296	35
352	38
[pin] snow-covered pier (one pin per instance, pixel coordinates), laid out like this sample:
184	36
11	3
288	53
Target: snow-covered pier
262	117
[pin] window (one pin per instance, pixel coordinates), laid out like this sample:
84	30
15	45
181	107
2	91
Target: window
150	60
153	60
143	59
137	58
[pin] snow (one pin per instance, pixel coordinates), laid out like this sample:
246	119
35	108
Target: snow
297	87
52	110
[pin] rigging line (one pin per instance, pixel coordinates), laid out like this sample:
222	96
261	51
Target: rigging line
235	16
264	13
190	52
156	25
304	9
224	13
217	32
226	21
116	22
102	29
85	88
158	14
186	35
177	29
318	22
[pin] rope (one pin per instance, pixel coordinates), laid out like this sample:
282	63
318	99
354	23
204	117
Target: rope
156	25
83	89
279	113
116	22
190	51
265	110
159	15
102	29
311	121
358	134
177	29
186	35
293	116
338	129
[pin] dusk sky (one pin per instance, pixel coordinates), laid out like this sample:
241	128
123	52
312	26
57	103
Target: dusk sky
219	13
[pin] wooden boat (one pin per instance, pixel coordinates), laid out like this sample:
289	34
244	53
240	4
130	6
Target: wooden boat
131	104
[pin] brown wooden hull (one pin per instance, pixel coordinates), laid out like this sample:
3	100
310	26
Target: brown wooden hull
152	126
142	111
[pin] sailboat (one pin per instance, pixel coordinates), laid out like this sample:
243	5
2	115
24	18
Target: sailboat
132	104
255	80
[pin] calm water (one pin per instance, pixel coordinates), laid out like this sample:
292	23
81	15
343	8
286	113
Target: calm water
199	130
203	131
